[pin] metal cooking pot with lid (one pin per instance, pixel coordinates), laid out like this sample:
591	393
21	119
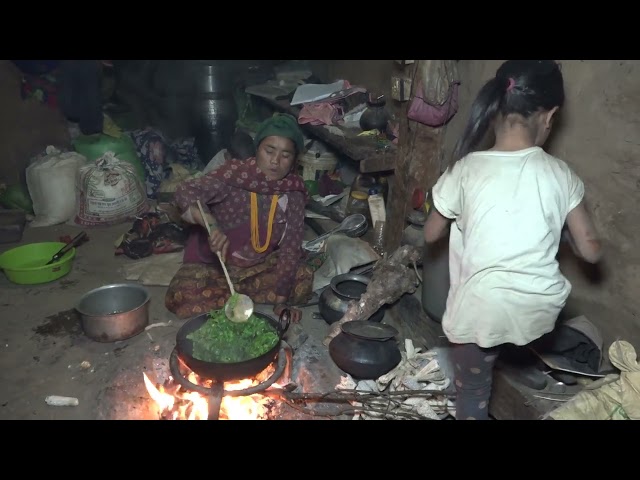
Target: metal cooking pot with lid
225	372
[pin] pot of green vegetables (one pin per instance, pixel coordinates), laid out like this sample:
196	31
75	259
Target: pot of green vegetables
218	349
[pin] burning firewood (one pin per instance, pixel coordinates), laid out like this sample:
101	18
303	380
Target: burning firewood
392	277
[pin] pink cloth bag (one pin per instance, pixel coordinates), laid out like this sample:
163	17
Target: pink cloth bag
421	110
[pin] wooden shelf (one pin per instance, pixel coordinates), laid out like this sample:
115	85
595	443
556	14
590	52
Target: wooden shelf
362	150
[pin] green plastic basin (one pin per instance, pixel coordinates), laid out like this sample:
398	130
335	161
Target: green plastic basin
25	265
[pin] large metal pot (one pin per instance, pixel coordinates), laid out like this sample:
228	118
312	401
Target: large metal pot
216	107
435	279
114	312
344	288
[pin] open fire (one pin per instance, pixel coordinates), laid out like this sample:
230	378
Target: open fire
175	402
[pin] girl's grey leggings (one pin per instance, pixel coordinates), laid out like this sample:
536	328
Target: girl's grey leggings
473	379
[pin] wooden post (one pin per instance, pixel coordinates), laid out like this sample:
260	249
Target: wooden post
418	160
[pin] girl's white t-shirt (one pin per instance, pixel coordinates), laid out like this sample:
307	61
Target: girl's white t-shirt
509	209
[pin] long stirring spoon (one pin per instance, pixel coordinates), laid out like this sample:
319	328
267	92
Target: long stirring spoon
239	307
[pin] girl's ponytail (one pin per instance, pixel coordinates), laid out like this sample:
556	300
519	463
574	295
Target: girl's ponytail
483	111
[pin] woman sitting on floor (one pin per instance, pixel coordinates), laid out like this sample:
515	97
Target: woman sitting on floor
256	212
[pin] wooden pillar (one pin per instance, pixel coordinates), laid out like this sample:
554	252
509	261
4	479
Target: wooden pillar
418	160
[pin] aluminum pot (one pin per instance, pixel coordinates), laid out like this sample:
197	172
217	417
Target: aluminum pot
114	312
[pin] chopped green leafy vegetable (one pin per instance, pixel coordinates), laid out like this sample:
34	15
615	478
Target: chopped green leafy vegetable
220	340
233	300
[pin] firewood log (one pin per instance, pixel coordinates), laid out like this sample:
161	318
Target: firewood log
392	277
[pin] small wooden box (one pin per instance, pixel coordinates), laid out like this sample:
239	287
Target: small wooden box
400	88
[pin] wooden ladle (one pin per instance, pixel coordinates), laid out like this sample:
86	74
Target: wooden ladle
239	307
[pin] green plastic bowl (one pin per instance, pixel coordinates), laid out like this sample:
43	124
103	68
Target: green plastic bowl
25	265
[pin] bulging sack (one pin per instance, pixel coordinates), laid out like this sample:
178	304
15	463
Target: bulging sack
109	192
51	180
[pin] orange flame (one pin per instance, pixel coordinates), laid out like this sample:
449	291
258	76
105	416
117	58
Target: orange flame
175	403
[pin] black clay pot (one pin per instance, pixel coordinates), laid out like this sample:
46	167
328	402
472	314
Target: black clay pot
344	288
365	350
375	116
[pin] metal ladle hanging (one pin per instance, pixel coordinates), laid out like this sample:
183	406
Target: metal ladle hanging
239	307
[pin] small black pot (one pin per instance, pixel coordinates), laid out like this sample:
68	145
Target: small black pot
365	350
344	288
375	116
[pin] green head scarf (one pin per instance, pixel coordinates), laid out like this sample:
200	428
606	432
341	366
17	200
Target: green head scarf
281	125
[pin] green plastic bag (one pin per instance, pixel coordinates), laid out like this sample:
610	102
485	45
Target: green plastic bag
16	197
95	146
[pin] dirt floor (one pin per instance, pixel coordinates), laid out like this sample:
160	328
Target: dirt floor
45	352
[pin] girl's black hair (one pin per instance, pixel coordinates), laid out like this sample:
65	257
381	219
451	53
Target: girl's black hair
520	86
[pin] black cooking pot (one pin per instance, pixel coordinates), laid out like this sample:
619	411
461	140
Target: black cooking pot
344	288
227	372
365	350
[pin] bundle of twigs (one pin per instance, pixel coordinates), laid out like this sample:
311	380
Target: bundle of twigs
383	405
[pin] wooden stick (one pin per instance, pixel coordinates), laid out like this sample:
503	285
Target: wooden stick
348	395
226	274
